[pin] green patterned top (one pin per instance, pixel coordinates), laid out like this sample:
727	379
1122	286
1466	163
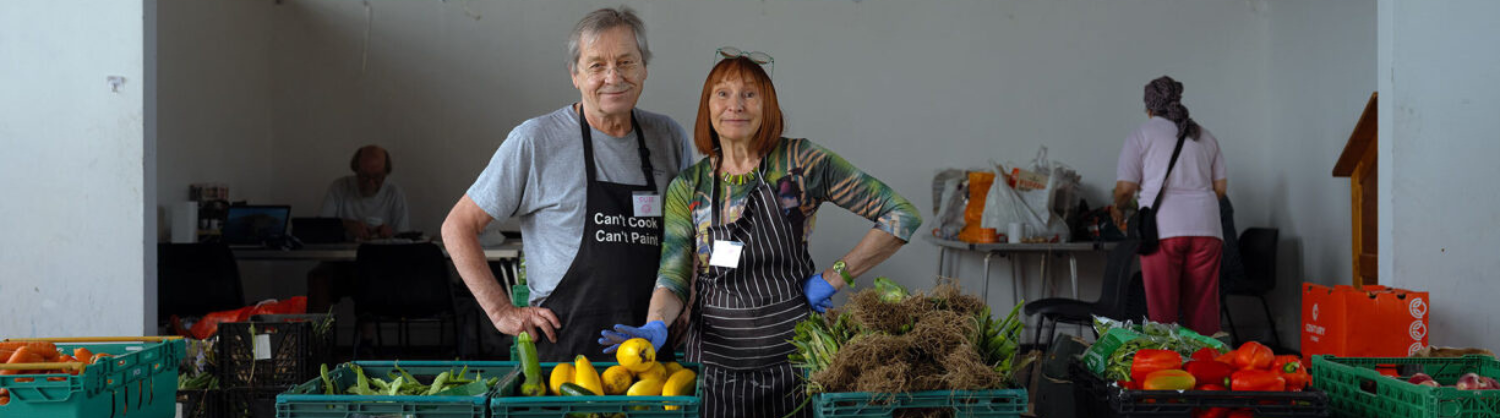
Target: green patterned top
803	176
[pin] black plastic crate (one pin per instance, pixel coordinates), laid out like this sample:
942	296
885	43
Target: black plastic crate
250	403
295	346
200	403
1096	398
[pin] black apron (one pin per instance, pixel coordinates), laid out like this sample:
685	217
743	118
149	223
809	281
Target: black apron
612	276
745	316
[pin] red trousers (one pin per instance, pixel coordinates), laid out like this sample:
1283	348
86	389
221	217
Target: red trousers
1184	274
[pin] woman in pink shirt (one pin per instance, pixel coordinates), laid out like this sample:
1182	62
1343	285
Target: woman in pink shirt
1184	272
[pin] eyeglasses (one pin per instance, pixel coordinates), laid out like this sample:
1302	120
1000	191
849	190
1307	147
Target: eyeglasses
625	70
758	57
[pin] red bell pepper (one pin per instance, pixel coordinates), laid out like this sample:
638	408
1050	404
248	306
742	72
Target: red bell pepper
1209	371
1253	355
1150	360
1256	381
1205	353
1227	357
1289	367
1215	412
1210	386
1171	379
1241	413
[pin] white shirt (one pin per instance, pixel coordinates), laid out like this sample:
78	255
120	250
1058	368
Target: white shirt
343	201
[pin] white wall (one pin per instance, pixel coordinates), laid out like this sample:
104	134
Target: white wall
1439	97
900	88
1321	74
73	170
215	99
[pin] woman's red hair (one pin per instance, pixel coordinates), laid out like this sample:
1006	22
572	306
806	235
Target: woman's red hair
704	136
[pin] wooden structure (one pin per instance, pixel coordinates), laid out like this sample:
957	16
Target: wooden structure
1358	163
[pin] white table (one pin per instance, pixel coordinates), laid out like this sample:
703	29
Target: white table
1014	251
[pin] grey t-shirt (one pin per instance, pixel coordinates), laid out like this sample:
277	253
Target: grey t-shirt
537	177
388	205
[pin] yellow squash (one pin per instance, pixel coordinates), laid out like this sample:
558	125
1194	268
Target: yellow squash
682	383
636	354
616	380
648	387
584	375
563	373
672	367
654	371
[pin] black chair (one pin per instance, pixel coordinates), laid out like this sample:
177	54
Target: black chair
195	279
402	283
1123	296
1258	251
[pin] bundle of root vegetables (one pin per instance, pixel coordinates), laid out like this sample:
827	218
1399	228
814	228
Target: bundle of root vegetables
885	340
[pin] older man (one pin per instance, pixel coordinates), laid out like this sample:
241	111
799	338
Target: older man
585	181
371	207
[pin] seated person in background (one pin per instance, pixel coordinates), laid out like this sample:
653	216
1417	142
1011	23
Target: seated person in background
371	207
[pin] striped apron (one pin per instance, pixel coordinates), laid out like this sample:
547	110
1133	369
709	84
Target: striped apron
745	316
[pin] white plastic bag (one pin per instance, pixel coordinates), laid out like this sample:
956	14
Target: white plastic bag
1044	210
950	195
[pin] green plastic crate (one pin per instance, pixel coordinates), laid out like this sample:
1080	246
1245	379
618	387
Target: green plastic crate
996	403
1356	389
506	404
308	401
139	381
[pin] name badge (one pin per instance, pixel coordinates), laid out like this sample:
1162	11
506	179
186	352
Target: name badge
726	254
647	204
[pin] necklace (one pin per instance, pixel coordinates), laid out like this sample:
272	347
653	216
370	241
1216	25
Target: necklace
739	179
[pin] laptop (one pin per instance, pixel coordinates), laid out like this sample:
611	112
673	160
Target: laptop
318	230
255	225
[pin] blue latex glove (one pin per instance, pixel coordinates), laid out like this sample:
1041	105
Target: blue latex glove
654	331
819	293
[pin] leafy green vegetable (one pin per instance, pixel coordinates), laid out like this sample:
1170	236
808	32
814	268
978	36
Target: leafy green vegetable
889	291
999	341
453	382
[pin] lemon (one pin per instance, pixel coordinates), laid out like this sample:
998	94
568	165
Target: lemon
616	380
636	354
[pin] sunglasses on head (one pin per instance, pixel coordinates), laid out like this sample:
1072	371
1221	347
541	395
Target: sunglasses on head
758	57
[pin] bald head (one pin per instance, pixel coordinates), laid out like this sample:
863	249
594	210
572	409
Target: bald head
371	163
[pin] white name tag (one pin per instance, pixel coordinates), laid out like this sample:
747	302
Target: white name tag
647	205
726	254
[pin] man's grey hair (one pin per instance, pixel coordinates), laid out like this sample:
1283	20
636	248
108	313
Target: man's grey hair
602	20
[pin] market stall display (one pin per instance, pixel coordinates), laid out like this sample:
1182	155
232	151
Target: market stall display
418	389
1409	387
115	376
273	351
888	352
1162	370
637	385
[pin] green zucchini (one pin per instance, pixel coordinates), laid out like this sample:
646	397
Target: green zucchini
573	389
530	366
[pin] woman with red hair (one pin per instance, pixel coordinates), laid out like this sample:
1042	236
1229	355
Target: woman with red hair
735	250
